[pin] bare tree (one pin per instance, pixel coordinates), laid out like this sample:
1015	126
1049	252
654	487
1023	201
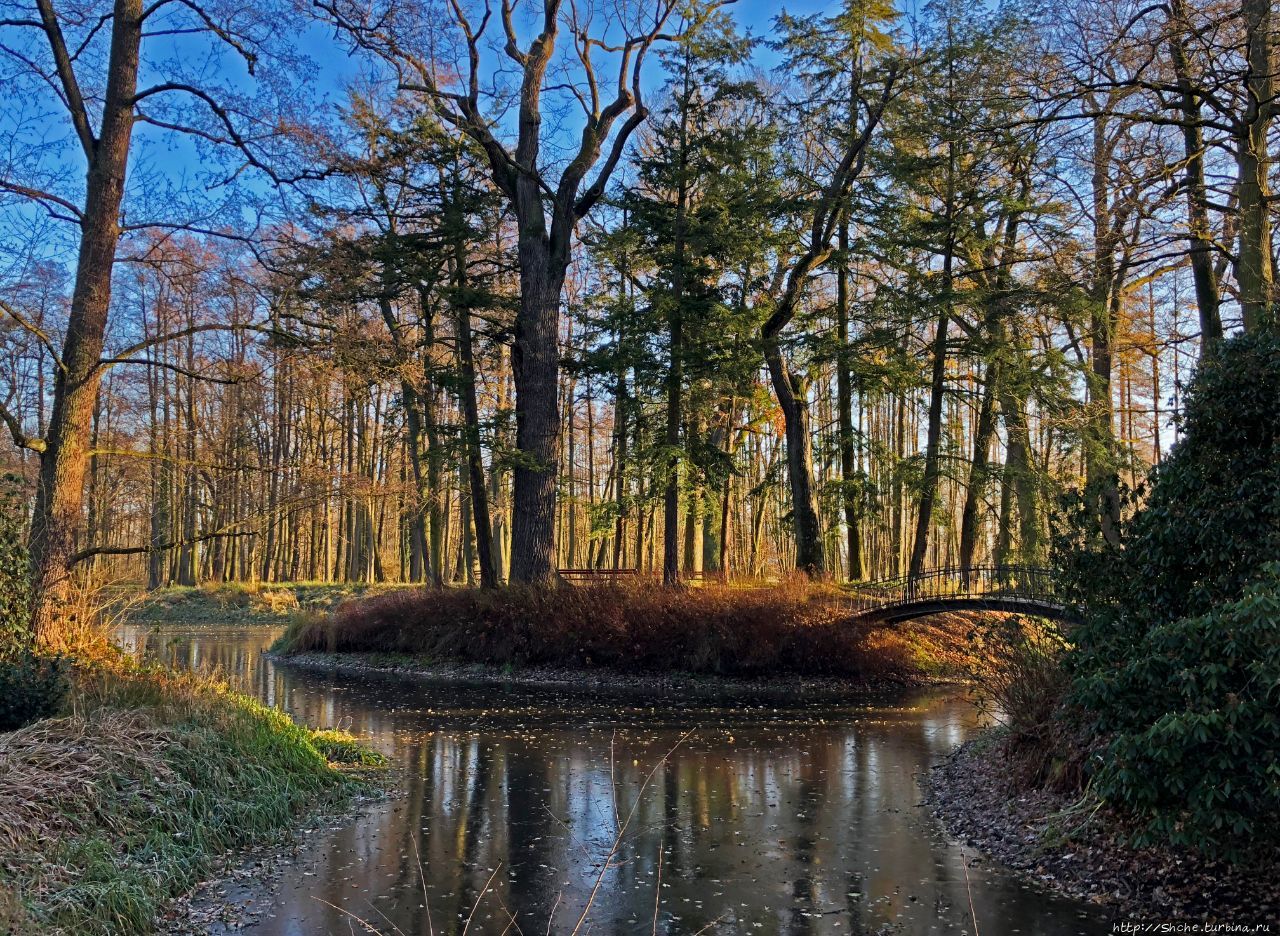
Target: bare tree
92	60
547	209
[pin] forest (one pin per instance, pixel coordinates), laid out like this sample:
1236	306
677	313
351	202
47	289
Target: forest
854	293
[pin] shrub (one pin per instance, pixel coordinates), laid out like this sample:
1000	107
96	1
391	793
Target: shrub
791	629
1176	668
31	687
1020	682
1212	517
1197	758
15	569
1018	673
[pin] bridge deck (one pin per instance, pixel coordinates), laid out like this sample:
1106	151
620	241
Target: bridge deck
1016	589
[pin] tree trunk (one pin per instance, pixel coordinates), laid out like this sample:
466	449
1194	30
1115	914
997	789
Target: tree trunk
471	425
937	386
933	445
844	402
1198	230
1022	477
535	360
1254	272
675	327
60	489
1106	302
790	392
979	469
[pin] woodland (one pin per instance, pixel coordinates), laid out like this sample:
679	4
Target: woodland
684	289
636	337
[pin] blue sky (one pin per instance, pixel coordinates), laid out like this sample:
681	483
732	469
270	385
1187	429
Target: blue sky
168	169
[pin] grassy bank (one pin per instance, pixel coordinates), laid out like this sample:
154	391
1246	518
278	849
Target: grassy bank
791	629
134	796
237	603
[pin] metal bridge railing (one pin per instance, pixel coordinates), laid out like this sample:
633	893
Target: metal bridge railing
1021	582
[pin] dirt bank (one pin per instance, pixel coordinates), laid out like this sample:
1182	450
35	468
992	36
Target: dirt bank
1078	848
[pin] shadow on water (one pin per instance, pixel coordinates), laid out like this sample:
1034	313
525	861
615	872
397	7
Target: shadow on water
767	819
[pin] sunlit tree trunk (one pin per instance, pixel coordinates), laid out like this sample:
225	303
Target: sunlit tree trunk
60	490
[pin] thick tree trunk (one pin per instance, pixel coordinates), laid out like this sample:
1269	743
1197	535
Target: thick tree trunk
810	554
535	363
1254	272
60	490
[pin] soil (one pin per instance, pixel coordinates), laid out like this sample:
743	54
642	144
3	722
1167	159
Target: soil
1078	848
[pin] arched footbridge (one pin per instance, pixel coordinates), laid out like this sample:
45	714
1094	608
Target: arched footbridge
1016	589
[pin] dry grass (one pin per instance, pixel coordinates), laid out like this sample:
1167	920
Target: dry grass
793	628
130	798
1021	681
52	772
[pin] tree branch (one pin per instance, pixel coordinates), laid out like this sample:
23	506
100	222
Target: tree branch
67	75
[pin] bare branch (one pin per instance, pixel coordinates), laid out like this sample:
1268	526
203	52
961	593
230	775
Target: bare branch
183	333
72	97
42	196
169	365
40	334
78	557
20	439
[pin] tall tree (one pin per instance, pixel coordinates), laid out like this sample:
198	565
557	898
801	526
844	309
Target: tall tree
847	72
547	209
64	50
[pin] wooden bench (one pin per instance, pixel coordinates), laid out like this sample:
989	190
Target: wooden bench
583	576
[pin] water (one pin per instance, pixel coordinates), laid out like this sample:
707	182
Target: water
769	820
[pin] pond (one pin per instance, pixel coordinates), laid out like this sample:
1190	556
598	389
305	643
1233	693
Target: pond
750	819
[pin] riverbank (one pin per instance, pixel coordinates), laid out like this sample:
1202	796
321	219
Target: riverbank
604	682
1078	848
640	634
153	783
235	602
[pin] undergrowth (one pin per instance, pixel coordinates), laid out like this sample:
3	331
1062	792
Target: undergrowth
133	795
239	602
791	629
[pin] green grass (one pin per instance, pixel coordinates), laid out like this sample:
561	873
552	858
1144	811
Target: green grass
130	801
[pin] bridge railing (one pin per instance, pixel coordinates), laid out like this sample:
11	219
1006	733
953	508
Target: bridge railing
937	584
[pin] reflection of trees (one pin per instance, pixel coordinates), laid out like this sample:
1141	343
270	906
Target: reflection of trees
785	822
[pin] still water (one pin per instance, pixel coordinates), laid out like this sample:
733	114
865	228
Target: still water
745	819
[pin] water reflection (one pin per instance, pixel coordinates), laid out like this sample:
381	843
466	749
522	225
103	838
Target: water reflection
763	820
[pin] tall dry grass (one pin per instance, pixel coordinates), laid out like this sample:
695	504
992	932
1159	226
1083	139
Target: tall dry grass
136	793
794	628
